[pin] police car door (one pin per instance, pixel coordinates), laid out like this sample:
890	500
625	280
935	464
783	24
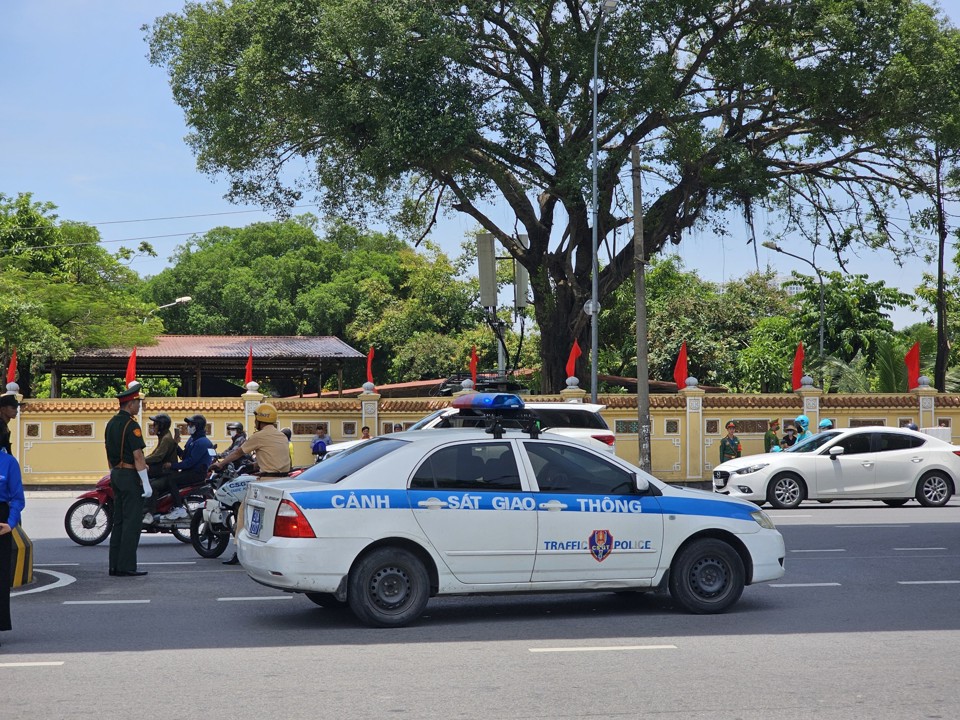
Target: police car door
590	519
470	504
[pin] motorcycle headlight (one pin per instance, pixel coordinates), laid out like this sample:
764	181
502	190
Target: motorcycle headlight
751	469
763	520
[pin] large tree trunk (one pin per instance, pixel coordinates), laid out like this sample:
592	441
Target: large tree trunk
943	342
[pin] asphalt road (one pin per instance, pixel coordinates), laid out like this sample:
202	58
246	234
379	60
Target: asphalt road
865	624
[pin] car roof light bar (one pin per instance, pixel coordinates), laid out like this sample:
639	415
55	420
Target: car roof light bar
488	402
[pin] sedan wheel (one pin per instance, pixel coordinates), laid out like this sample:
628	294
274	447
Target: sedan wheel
707	576
388	588
895	502
786	492
934	489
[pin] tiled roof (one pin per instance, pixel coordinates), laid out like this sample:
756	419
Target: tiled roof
236	346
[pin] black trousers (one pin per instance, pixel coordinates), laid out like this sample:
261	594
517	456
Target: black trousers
127	519
6	571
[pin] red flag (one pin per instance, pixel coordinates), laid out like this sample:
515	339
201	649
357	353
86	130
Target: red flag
131	367
912	359
798	366
680	373
248	377
370	365
473	365
12	369
575	352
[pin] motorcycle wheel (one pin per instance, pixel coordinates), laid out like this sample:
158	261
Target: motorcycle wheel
194	505
208	543
85	528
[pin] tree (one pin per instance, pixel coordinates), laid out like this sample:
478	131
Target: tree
425	107
60	291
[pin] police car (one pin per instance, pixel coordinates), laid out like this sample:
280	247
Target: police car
393	521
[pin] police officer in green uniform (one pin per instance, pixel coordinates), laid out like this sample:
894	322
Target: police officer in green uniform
730	444
128	478
770	438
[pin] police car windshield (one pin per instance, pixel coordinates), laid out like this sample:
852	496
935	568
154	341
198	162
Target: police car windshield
813	443
345	463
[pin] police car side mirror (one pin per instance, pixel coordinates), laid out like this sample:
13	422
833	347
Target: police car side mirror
640	483
836	451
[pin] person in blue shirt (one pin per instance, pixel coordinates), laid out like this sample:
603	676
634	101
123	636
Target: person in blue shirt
192	469
11	505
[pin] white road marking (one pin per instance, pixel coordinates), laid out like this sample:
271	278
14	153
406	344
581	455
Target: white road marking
871	526
36	565
31	664
929	548
803	585
105	602
171	562
787	517
928	582
602	648
823	550
255	597
62	581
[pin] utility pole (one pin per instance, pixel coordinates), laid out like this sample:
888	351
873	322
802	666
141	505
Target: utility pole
640	291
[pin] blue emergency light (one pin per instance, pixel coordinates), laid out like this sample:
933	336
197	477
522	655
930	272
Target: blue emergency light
488	402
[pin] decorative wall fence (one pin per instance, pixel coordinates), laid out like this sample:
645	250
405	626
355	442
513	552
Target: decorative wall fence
60	441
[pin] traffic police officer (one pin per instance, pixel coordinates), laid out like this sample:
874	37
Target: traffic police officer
124	443
730	444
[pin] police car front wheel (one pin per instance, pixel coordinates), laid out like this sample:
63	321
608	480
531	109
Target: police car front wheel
707	576
389	587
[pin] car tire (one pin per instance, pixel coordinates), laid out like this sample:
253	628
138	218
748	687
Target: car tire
786	491
389	587
934	489
707	577
328	601
825	502
895	502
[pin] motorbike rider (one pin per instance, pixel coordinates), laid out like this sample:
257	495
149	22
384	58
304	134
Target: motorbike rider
825	424
167	451
270	447
192	469
237	438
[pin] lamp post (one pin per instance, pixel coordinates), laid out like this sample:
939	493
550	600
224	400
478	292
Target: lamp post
594	304
770	245
179	301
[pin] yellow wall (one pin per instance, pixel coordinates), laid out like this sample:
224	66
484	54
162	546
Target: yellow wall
60	442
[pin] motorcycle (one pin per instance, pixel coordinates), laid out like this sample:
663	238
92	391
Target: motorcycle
89	520
213	525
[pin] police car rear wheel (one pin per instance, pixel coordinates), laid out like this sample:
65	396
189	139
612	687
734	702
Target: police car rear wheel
707	576
388	588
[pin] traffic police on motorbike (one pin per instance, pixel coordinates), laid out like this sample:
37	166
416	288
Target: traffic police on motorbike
124	443
270	446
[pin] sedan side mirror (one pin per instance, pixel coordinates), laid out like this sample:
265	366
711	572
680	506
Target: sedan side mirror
835	451
640	483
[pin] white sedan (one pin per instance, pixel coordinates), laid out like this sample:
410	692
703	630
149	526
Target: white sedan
867	463
395	520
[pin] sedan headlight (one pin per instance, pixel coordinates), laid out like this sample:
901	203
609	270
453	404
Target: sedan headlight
751	469
763	520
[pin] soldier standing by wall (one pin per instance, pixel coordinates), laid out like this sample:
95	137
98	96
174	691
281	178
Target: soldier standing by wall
730	445
770	438
124	443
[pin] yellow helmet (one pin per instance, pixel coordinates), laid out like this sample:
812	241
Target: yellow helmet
265	413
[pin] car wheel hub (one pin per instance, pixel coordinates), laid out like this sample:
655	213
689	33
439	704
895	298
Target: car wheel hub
389	587
787	491
708	577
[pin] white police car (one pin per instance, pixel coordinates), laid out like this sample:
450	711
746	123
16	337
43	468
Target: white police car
391	522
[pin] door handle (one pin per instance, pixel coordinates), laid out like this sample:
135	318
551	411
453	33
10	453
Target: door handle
432	504
554	505
916	459
867	464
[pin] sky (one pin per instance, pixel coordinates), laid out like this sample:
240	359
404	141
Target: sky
88	124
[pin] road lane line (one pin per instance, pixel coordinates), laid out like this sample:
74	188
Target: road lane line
928	582
822	550
255	597
928	548
602	648
803	585
31	664
36	565
172	562
105	602
62	581
787	517
896	525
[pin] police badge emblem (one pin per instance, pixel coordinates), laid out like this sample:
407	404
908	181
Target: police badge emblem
600	544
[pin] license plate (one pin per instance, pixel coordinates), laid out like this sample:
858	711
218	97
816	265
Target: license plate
256	522
718	482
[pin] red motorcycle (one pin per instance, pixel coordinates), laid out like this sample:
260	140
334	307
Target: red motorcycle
90	519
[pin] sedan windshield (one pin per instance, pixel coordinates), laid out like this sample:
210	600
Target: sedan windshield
813	443
345	463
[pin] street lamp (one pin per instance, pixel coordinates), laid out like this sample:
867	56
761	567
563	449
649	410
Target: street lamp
770	245
594	309
179	301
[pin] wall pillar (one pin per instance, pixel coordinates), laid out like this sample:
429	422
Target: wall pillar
810	396
926	401
572	392
251	398
370	408
694	441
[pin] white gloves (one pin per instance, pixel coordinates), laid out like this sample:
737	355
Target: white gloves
147	490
